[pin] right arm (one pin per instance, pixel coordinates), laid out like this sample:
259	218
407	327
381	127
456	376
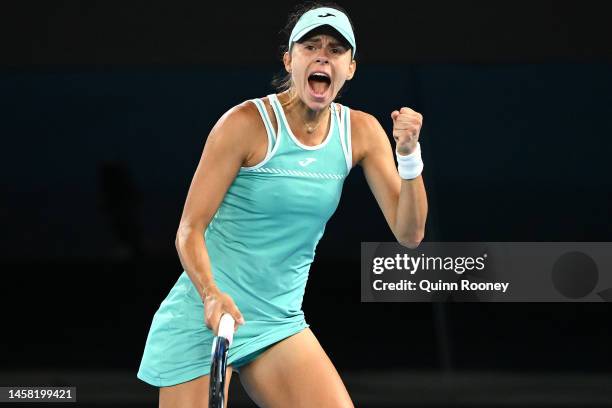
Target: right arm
225	150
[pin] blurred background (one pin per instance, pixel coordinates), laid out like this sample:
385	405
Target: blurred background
105	108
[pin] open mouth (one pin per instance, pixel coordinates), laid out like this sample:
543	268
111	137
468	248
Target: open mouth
319	83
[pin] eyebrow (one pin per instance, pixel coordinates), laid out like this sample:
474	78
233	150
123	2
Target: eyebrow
318	40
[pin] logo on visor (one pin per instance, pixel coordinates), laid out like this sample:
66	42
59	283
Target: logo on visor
328	15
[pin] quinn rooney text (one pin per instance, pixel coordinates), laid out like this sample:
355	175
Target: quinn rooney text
440	285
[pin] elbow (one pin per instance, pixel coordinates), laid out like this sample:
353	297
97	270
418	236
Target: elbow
177	244
411	242
185	233
181	236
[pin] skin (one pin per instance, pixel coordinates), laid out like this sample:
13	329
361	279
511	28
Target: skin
318	53
296	371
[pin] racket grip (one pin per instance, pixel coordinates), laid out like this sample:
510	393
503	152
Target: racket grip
226	327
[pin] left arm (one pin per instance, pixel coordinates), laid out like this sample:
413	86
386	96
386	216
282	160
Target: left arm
403	202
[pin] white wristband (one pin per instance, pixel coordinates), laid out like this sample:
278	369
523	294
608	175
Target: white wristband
410	166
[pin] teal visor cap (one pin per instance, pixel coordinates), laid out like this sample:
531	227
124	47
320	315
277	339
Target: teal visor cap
323	16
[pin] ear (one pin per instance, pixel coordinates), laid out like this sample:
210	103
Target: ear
352	69
287	61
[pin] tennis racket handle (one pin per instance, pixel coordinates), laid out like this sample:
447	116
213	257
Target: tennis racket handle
226	327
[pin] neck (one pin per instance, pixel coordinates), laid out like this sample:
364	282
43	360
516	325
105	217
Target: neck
307	117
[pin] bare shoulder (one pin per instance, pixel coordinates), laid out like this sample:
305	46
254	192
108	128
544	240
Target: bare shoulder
362	121
239	116
239	129
366	134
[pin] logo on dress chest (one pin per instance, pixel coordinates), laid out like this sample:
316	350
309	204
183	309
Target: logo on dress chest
306	161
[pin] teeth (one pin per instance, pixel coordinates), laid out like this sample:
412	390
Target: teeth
320	74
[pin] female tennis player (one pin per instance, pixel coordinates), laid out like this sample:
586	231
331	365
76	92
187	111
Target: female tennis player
270	177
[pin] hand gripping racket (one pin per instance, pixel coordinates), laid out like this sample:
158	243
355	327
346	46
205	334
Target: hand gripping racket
218	361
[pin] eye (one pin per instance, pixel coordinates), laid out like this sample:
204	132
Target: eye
309	47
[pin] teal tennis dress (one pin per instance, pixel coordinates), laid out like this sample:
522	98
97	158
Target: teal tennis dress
261	243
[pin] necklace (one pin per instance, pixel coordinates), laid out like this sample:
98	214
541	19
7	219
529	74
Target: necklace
311	129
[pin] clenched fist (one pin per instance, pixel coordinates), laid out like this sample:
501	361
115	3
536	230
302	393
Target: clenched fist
406	128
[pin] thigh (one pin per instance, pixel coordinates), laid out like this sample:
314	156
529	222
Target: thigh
295	372
191	394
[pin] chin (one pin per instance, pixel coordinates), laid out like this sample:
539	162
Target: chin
318	103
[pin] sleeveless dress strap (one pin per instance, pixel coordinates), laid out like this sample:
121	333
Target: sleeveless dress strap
349	137
267	122
344	125
275	103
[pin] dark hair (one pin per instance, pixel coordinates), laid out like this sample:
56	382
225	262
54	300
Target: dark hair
282	80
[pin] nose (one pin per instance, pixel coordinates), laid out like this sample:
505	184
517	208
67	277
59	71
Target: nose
322	56
321	59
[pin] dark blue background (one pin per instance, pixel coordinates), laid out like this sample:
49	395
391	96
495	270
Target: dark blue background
102	130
